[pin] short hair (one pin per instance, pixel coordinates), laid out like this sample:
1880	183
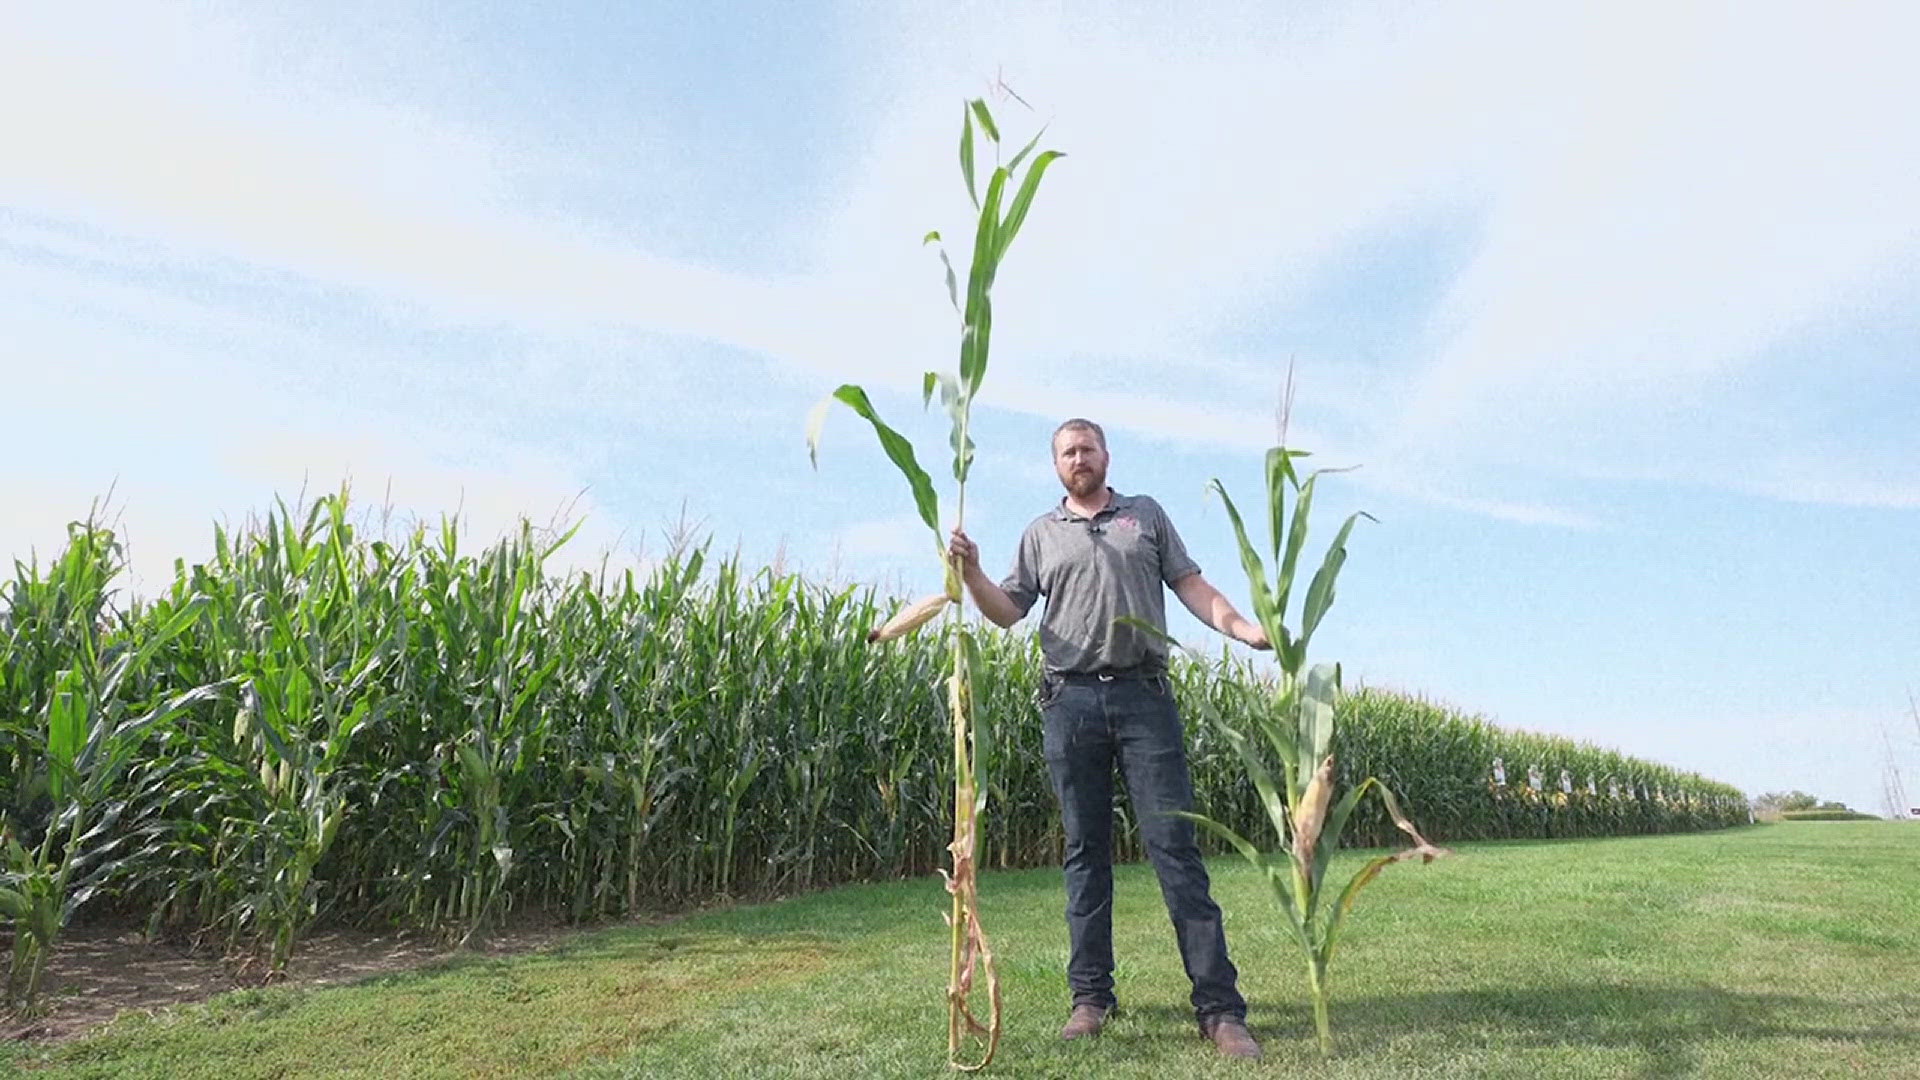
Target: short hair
1079	424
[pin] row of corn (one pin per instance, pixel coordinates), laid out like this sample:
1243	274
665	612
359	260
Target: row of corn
319	723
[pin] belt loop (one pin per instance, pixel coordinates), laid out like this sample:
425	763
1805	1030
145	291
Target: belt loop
1105	676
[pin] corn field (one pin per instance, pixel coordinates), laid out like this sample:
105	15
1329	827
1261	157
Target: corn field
323	724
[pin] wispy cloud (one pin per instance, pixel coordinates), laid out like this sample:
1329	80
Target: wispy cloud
1653	211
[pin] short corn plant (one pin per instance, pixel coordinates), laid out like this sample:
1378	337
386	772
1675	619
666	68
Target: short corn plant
1299	730
999	221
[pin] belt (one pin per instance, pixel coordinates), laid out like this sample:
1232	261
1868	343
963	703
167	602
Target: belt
1110	674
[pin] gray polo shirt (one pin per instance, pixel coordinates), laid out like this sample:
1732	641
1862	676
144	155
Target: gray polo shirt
1095	571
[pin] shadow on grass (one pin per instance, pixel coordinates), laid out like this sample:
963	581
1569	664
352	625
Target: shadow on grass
1668	1026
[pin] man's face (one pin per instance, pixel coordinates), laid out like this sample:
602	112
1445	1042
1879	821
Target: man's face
1080	461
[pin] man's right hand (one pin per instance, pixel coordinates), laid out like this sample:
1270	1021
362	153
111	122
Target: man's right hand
966	551
988	597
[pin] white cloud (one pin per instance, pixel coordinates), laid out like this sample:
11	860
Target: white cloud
1656	208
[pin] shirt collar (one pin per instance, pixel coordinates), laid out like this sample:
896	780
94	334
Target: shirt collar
1117	503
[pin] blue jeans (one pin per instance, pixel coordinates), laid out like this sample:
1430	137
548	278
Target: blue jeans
1089	726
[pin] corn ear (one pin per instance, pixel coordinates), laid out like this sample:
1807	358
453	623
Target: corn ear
910	618
1311	813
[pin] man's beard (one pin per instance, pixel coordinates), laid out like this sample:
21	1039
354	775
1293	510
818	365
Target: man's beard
1081	485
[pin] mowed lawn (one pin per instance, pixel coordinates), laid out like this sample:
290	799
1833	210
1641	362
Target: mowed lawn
1787	950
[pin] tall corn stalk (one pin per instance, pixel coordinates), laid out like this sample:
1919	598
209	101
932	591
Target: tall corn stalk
1300	732
972	741
94	717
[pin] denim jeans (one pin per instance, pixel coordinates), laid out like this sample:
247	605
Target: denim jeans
1090	725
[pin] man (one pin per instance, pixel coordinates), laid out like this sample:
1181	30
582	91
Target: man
1097	557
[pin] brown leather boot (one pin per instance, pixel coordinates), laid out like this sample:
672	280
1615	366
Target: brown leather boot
1086	1020
1230	1035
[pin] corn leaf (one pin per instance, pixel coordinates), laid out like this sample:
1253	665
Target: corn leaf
1282	889
1270	797
1330	835
979	721
1279	473
1023	200
1320	591
1296	540
1330	931
1263	605
897	448
1283	735
1316	717
978	332
66	729
966	152
1014	165
1246	847
987	126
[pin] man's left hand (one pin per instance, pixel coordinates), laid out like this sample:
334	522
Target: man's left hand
1252	634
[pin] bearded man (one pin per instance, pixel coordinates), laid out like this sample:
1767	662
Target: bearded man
1100	556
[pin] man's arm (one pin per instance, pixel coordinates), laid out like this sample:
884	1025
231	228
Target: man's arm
990	598
1214	609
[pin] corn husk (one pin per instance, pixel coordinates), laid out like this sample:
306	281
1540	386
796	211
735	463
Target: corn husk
1310	815
910	618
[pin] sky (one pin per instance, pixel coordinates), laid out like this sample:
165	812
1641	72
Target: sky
1615	308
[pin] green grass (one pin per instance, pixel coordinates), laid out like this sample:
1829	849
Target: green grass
1779	950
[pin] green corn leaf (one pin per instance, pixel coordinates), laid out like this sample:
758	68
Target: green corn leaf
987	126
953	283
1296	540
1270	797
1263	605
176	623
476	769
1240	843
547	552
1143	626
897	448
348	726
749	771
1330	933
1320	591
1014	165
1330	833
978	331
962	446
1278	879
966	152
953	398
1283	735
66	730
1282	889
979	721
1316	718
1023	199
268	729
1279	472
109	750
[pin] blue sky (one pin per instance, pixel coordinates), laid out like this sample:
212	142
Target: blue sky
1615	309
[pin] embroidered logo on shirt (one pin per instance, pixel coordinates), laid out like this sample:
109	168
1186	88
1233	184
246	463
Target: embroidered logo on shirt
1129	523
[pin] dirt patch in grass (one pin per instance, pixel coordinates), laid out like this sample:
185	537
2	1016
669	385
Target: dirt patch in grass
96	973
529	1004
